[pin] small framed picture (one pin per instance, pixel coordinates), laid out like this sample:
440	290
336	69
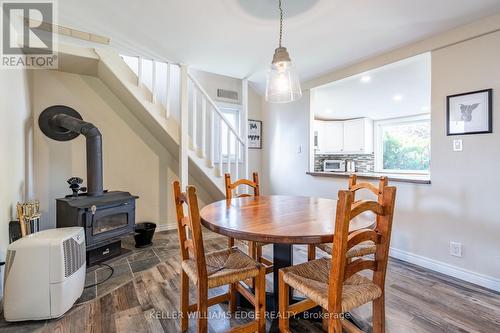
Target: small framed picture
470	113
254	134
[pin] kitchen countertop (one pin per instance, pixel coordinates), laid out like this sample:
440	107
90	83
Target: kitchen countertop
400	177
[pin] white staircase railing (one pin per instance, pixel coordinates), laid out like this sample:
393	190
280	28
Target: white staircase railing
160	77
212	137
211	125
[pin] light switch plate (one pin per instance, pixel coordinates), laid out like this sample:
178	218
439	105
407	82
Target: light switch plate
457	145
456	249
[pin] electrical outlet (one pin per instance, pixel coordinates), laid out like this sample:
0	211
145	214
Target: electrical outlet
456	249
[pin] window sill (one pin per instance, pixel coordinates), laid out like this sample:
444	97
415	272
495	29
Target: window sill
404	178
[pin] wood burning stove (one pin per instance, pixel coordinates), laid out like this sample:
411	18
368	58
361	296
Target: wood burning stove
106	216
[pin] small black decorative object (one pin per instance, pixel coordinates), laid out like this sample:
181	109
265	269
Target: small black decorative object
144	233
74	185
470	113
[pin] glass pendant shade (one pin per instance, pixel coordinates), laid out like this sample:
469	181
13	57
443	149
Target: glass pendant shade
283	84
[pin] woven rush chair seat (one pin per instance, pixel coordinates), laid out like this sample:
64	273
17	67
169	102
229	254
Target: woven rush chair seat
311	279
362	249
224	267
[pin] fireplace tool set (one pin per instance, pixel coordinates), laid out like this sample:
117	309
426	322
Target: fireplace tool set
28	214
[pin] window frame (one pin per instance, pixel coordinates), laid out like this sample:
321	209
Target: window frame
379	146
227	108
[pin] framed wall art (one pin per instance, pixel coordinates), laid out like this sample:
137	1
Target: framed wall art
254	134
470	113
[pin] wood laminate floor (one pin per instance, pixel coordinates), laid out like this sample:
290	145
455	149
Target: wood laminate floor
144	299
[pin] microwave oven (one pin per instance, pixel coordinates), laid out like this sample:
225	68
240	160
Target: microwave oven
334	165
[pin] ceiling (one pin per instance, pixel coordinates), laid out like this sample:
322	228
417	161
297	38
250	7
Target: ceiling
396	90
237	37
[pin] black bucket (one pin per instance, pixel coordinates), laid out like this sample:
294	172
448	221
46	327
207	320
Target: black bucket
144	233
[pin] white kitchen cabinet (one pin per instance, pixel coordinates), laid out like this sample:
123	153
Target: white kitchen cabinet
343	136
358	136
333	136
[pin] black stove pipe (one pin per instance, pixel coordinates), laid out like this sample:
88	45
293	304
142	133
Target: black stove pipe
94	149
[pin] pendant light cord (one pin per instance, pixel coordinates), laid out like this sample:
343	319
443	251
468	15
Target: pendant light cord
281	21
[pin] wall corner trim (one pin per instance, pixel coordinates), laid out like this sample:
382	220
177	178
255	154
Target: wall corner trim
447	269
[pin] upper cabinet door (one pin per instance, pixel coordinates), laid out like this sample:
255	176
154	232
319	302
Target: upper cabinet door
354	136
334	133
319	136
358	136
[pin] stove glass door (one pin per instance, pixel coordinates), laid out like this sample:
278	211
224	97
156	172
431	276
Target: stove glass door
109	222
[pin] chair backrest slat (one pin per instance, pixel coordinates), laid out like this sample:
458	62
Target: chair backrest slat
362	235
240	182
365	205
355	186
359	265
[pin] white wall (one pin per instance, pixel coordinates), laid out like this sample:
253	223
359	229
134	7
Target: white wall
134	160
15	149
211	82
255	113
460	204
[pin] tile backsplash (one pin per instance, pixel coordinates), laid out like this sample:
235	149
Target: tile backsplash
364	162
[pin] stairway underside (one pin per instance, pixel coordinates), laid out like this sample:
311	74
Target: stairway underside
108	66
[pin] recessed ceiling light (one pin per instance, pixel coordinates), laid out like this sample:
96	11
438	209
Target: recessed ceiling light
425	108
397	98
366	78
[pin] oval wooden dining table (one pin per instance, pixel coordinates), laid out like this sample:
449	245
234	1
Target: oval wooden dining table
279	219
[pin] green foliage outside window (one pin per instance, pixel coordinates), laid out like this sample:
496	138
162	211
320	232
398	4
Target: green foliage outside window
406	147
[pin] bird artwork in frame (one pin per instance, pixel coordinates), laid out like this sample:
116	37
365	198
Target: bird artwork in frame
470	113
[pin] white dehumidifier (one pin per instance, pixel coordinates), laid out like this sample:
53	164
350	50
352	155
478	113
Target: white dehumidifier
44	274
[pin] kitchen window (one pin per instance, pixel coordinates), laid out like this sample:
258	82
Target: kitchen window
402	145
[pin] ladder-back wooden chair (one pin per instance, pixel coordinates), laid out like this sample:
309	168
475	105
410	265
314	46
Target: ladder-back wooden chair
335	283
366	247
254	248
214	269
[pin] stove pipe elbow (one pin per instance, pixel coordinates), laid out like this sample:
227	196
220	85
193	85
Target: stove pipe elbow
94	149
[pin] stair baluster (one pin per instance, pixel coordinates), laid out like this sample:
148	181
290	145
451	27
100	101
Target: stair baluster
228	150
153	82
167	93
139	70
236	158
212	137
220	147
194	119
210	145
202	151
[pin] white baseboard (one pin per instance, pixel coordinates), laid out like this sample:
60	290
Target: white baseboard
447	269
166	227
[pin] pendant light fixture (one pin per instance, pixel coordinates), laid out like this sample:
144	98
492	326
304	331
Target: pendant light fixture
282	84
